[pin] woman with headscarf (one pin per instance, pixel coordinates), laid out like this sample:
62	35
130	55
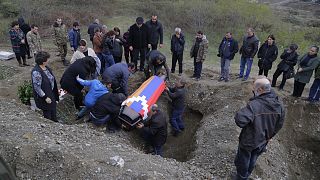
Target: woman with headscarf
84	51
86	69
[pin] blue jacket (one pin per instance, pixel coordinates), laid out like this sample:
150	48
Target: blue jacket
96	90
74	38
228	48
119	75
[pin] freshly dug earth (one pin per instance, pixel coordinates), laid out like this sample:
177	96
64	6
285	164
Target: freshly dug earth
37	148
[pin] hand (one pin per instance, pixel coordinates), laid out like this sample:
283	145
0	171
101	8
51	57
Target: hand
48	100
140	125
78	78
300	70
149	46
22	41
178	36
160	45
131	48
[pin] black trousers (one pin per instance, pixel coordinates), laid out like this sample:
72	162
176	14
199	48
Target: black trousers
50	114
78	101
176	57
142	53
263	71
275	77
20	56
298	88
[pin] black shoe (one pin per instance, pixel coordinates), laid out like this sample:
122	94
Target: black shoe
25	64
226	80
221	79
29	57
239	77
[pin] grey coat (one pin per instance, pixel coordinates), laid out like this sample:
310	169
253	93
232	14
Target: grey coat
305	75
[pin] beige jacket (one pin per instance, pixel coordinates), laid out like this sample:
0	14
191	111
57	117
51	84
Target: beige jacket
203	50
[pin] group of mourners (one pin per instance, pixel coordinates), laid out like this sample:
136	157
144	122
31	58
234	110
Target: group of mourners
103	99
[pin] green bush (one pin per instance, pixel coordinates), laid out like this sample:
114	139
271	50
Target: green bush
25	92
8	9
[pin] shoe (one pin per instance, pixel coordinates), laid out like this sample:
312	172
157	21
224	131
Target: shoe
172	72
197	79
21	65
244	79
226	80
180	74
220	79
25	64
29	57
193	76
239	77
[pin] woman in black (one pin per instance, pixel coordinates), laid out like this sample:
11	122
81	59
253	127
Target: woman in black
85	68
117	50
44	85
267	53
286	66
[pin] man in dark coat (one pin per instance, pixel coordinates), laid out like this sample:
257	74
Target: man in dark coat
227	49
85	68
177	47
25	29
119	74
127	53
260	121
155	61
138	42
267	53
92	27
155	130
177	95
155	32
107	109
248	50
286	66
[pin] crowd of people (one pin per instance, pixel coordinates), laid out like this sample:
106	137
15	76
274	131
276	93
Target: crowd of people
103	72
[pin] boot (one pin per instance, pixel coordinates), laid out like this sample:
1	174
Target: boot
25	63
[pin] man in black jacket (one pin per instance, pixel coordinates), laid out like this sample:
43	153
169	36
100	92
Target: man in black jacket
227	49
155	32
248	50
155	130
260	120
177	95
177	47
92	27
138	41
155	61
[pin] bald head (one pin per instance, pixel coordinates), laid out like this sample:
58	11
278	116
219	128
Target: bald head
262	85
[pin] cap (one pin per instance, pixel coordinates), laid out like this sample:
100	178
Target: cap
139	20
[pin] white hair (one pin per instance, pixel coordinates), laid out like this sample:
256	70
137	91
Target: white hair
177	30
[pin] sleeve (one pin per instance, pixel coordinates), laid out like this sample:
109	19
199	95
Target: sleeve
173	94
124	82
84	82
167	70
172	44
279	122
71	38
284	55
30	42
314	65
181	40
244	116
191	51
275	54
161	34
260	53
236	47
205	51
130	39
36	82
255	48
219	49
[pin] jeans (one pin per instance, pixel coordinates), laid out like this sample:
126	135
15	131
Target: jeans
176	57
108	59
246	160
225	68
176	120
243	63
197	68
314	94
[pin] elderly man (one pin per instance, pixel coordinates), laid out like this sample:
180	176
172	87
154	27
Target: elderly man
248	50
155	61
260	121
155	130
177	47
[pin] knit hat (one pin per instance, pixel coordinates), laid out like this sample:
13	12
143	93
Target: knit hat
139	20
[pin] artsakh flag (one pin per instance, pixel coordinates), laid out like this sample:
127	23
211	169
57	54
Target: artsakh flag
146	95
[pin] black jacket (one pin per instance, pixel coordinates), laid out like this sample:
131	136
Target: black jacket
157	128
84	67
46	88
177	44
249	47
109	103
153	66
138	37
107	45
91	29
289	60
177	95
228	48
155	32
267	54
260	120
117	50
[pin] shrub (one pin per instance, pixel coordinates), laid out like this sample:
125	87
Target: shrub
25	92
